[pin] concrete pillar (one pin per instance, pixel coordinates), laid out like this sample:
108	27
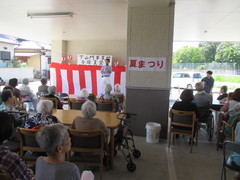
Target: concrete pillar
150	34
59	49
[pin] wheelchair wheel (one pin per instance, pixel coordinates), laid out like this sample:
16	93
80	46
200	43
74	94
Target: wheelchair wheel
136	153
210	128
131	167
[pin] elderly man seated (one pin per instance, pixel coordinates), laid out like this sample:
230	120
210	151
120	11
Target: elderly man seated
51	94
201	97
27	94
43	117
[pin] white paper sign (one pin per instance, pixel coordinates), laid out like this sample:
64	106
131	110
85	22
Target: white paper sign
97	60
147	64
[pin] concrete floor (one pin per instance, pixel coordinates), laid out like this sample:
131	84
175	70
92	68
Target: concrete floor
158	162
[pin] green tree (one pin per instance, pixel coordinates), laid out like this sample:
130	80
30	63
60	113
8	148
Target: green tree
187	55
228	52
208	51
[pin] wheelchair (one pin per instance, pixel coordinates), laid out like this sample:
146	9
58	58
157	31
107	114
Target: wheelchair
124	140
206	121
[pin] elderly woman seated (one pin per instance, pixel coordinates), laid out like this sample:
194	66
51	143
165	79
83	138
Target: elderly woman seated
107	93
87	122
43	117
236	110
51	94
186	104
201	97
10	162
83	94
235	99
55	141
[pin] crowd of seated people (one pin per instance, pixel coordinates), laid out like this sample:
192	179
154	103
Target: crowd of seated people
43	117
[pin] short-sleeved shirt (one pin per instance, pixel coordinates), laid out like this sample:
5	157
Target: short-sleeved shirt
62	171
104	68
208	84
11	163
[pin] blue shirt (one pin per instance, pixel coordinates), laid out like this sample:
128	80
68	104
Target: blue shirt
235	156
208	84
104	68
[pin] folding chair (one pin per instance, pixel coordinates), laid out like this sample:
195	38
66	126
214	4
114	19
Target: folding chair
183	123
88	147
228	163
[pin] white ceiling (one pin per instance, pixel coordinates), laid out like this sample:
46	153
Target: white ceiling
195	20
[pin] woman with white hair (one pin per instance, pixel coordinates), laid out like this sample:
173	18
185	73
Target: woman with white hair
43	117
107	93
201	97
83	94
87	122
55	141
51	94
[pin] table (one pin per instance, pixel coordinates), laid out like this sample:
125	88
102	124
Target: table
109	118
73	96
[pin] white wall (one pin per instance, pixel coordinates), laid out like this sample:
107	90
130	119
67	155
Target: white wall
118	49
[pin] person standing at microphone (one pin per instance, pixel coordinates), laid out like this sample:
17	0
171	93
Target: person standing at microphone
106	71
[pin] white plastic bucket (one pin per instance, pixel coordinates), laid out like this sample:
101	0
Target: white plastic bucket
152	132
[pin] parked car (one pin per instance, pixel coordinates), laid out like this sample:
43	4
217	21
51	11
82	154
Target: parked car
185	79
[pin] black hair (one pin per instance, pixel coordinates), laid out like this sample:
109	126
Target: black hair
44	80
224	88
209	72
13	82
6	93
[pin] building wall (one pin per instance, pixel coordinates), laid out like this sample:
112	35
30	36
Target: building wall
34	62
118	49
7	47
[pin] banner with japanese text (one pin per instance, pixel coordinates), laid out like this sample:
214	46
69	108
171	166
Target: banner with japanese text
92	59
147	64
71	78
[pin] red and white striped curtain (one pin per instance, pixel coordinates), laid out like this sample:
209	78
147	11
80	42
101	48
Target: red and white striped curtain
71	78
